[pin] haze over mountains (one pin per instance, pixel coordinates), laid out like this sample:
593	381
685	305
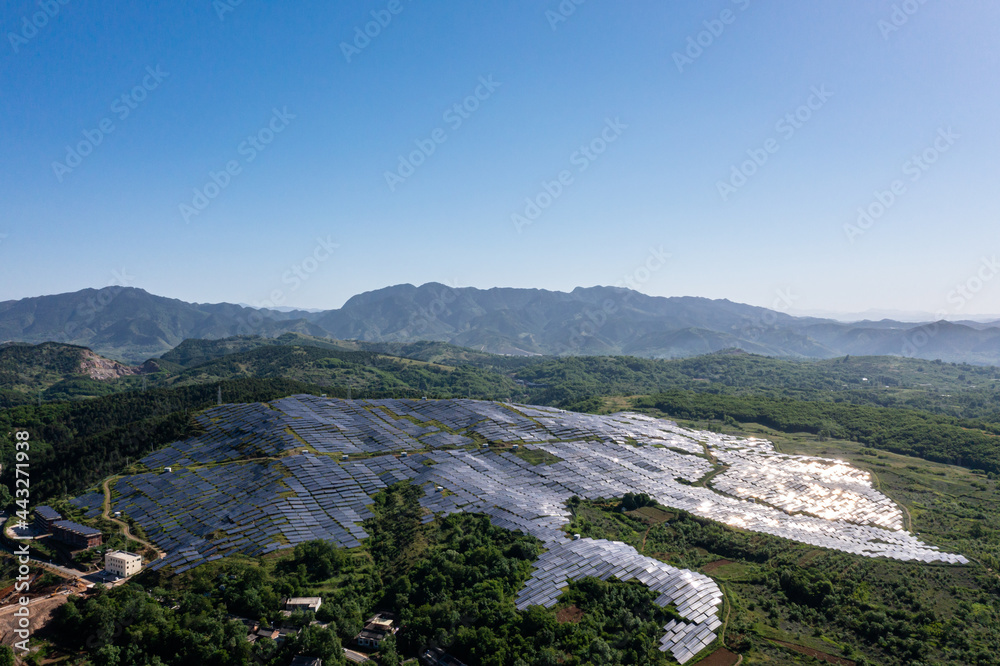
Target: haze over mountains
132	325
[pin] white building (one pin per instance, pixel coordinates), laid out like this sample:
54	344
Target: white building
303	604
122	564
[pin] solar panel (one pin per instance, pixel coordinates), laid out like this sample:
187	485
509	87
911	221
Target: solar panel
262	494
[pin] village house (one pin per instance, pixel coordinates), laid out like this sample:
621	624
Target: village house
377	629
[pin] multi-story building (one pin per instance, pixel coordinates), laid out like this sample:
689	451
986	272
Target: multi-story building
76	534
44	517
122	564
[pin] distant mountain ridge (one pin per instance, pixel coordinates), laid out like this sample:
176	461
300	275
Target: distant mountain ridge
131	324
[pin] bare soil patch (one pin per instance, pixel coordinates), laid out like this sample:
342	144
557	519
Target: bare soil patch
712	566
569	614
652	515
721	657
822	656
41	615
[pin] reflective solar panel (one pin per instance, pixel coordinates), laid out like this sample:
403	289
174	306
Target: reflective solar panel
262	494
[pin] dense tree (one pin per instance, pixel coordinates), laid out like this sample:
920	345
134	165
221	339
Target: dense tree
934	437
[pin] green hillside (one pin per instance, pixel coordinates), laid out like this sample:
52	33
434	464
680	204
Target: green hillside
955	389
938	411
55	371
965	442
358	371
959	390
193	352
863	409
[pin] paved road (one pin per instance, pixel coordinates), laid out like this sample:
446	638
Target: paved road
72	573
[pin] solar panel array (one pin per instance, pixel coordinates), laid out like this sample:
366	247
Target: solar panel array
91	503
246	485
696	596
829	489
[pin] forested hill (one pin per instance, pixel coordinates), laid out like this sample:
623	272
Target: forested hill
966	442
131	325
54	372
354	370
955	389
193	351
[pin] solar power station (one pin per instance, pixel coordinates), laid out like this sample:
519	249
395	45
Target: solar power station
265	477
696	596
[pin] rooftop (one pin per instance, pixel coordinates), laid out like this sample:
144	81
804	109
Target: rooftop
306	661
76	528
47	512
124	555
355	657
307	602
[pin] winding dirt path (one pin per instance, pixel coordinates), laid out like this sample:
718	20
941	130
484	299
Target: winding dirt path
128	533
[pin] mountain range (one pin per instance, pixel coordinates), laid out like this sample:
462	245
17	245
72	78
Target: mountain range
132	325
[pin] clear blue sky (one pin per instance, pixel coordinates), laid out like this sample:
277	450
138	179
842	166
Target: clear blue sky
678	128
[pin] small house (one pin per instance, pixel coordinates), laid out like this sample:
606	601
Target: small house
306	661
377	629
267	632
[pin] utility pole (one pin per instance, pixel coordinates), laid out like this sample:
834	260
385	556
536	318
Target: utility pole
220	394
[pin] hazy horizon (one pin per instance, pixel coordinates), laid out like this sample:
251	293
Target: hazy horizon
873	314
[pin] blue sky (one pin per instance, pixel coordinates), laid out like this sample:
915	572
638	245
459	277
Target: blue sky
652	114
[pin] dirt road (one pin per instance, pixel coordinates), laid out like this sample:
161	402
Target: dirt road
106	513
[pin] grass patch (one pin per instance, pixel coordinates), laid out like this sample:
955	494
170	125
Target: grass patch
536	456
